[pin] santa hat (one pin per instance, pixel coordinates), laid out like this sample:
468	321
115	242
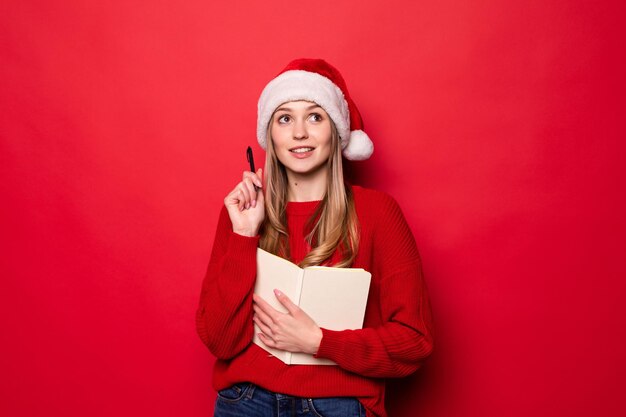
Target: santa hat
317	81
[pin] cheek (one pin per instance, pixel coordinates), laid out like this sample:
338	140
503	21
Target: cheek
327	140
327	150
323	134
278	137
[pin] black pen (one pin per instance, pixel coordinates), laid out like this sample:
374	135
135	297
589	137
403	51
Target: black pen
250	158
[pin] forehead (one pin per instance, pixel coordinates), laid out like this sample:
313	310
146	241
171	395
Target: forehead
298	105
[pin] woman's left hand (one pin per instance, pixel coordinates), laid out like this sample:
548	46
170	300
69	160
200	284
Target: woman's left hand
293	331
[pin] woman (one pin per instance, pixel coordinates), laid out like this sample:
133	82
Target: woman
301	209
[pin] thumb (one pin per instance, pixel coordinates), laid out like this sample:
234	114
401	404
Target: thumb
260	192
260	196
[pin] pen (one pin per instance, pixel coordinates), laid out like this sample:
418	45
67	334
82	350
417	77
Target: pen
250	158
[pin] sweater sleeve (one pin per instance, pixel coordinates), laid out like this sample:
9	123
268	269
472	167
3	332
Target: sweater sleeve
399	345
224	315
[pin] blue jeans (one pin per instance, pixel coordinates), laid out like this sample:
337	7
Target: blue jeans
249	400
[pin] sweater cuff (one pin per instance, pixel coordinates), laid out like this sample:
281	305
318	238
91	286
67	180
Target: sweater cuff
239	246
331	345
240	261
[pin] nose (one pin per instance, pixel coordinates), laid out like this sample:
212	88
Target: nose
299	130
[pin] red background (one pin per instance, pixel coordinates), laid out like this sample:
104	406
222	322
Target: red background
497	126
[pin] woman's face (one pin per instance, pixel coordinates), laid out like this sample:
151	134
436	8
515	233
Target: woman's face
301	132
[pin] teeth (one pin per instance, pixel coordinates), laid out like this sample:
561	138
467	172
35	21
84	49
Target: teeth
302	150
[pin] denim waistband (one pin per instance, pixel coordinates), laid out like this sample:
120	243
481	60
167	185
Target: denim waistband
250	400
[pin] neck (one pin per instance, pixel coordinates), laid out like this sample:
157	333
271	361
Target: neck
309	187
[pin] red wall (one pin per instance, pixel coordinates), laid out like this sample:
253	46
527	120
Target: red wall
498	127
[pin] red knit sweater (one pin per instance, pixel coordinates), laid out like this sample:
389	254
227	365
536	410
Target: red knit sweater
396	335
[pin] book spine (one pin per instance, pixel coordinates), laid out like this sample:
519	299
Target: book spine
296	301
299	285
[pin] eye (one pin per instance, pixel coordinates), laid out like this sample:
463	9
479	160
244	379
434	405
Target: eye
317	117
284	118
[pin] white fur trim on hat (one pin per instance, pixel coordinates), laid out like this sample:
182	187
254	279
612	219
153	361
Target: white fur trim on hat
296	85
360	146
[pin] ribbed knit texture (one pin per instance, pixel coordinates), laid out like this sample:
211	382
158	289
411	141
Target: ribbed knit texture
397	333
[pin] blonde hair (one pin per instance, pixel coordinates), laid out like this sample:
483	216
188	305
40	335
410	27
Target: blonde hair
334	225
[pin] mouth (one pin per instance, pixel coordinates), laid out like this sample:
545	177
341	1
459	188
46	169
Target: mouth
301	149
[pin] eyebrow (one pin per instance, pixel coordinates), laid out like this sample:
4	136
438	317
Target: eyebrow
308	108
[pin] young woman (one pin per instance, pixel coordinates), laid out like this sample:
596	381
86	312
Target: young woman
300	208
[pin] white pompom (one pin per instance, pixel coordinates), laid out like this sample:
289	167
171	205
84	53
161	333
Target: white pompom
360	147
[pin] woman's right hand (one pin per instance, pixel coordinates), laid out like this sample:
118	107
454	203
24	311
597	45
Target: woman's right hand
246	206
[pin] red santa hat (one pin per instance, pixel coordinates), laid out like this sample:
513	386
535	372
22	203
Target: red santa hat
317	81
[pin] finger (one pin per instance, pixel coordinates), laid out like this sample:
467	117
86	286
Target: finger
264	328
251	191
246	194
255	178
230	199
233	198
241	201
260	197
267	341
266	308
262	316
286	302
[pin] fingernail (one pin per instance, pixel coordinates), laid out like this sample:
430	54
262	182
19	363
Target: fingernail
253	203
247	206
278	293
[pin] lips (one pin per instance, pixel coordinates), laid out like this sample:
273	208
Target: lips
301	149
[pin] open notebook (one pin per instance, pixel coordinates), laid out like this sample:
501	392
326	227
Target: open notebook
335	298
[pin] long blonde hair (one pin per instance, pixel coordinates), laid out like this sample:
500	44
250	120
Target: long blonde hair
334	225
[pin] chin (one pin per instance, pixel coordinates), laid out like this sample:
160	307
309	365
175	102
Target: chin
307	170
